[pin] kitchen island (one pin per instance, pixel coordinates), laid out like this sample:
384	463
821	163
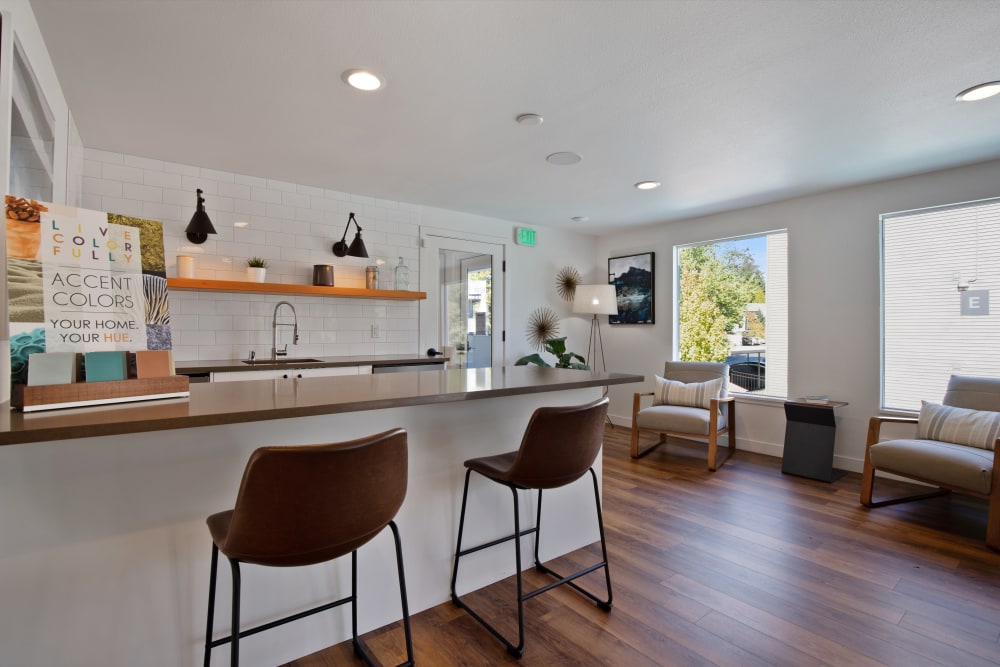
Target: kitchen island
105	552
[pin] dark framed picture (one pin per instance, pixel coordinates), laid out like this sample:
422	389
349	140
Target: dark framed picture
632	277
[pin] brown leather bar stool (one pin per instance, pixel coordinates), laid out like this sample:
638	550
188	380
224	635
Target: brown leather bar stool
559	446
306	505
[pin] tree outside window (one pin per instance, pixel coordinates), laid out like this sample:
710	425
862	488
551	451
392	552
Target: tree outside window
732	308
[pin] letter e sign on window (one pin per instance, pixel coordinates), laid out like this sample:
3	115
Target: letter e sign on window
976	302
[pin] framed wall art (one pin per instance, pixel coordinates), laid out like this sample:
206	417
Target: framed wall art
632	276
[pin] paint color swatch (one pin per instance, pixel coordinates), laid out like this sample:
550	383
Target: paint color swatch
51	368
104	366
154	363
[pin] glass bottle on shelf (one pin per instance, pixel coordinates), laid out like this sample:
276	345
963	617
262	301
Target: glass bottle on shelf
402	276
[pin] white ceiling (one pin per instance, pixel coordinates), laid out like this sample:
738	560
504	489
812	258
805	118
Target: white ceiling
728	103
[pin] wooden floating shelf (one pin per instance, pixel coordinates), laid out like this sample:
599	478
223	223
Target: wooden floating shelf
283	288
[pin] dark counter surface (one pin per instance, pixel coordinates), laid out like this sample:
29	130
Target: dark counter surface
265	363
213	404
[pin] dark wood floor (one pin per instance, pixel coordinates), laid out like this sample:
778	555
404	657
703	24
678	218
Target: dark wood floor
745	566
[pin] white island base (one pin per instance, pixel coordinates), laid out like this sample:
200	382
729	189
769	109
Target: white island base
105	553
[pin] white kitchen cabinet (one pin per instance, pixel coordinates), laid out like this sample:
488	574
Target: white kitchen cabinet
289	373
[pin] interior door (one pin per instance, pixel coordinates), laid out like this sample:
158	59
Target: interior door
463	312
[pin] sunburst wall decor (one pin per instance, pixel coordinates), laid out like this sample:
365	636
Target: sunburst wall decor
566	281
543	323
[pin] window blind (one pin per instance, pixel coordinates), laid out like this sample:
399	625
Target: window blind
931	260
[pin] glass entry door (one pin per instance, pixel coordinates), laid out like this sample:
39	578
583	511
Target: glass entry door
464	307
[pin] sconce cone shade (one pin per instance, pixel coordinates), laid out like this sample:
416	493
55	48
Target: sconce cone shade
200	226
357	247
595	299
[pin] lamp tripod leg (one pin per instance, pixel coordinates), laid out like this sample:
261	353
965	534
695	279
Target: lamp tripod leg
597	340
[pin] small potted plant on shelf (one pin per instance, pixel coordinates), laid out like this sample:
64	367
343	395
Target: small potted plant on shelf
256	269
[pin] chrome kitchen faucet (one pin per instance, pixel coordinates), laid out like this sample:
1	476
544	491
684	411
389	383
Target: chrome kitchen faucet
275	352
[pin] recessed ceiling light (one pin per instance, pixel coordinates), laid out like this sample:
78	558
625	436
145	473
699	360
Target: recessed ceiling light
980	92
362	79
241	224
529	119
648	185
579	218
564	157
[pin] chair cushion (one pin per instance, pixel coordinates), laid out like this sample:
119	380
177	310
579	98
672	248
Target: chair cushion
948	464
976	428
676	418
972	392
693	394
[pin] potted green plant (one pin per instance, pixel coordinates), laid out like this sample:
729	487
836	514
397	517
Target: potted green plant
564	358
256	269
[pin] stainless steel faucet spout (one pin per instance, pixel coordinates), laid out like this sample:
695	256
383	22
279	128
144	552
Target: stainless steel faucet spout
275	353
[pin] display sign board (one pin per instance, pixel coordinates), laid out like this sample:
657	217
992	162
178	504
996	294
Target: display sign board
82	281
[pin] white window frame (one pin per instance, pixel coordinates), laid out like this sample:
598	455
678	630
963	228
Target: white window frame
777	286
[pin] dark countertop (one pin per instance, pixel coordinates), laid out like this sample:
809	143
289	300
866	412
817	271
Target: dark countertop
264	363
213	404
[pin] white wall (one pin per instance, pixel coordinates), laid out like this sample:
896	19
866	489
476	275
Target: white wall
294	227
833	274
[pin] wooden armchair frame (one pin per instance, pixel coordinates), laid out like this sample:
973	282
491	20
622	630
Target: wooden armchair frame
868	481
713	430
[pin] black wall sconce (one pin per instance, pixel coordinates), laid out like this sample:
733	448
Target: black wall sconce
200	226
357	248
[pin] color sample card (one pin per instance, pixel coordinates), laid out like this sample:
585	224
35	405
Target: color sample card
51	368
104	366
154	363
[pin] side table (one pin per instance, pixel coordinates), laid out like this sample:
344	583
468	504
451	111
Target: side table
810	431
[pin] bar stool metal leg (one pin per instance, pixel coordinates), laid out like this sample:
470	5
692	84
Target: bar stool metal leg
360	649
602	604
211	605
518	650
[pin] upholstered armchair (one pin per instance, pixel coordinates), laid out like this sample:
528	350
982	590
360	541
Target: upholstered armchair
690	401
955	448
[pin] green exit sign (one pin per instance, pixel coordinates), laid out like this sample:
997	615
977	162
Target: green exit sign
524	236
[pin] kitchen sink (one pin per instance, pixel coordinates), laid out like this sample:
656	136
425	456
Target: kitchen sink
264	361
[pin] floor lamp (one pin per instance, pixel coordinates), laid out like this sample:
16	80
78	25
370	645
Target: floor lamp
596	300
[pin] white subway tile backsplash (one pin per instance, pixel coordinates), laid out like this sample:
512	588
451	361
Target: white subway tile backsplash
266	195
295	199
142	192
249	208
115	172
310	190
235	190
206	185
106	157
284	186
142	162
253	181
195	337
162	179
164	212
103	187
293	227
91	169
309	215
220	176
182	169
218	203
280	211
122	206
